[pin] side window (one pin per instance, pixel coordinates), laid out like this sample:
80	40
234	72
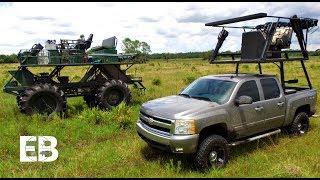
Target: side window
249	88
270	88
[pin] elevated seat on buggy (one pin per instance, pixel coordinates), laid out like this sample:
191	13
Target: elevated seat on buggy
108	46
84	45
30	55
107	52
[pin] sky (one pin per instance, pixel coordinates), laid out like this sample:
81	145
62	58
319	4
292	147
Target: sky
166	27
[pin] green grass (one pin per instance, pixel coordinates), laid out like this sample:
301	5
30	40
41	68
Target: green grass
94	143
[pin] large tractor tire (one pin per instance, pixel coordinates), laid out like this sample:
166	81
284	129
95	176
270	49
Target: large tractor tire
112	93
42	99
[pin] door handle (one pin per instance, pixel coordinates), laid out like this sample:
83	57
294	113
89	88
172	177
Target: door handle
280	103
258	108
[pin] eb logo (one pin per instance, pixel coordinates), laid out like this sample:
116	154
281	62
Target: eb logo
46	151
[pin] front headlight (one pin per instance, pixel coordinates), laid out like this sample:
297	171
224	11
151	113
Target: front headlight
185	127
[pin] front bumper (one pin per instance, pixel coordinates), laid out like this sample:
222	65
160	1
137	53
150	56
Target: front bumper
168	142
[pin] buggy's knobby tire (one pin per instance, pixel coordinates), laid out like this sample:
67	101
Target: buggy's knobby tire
42	98
299	125
112	93
206	149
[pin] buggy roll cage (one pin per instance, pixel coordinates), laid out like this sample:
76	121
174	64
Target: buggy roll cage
260	46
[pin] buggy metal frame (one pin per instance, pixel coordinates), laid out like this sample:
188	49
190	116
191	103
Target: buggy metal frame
297	24
104	63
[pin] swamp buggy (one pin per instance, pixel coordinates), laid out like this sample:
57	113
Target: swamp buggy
104	85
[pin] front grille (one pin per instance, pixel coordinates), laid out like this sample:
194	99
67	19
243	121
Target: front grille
166	124
156	118
155	127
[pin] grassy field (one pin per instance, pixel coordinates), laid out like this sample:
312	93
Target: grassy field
94	143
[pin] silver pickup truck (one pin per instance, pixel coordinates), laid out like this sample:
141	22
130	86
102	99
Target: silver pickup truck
218	111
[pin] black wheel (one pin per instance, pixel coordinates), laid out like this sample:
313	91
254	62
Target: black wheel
43	99
300	124
112	93
213	152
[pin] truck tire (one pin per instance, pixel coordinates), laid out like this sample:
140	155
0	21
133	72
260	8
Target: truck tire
42	99
212	152
112	93
300	124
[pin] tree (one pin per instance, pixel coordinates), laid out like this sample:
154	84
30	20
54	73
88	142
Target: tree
8	58
135	46
317	52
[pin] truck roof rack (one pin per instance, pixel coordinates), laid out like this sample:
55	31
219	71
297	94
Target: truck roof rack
265	43
238	19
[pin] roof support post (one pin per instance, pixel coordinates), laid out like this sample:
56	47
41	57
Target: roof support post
306	74
282	75
237	68
260	70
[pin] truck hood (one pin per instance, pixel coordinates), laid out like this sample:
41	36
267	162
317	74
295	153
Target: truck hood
175	107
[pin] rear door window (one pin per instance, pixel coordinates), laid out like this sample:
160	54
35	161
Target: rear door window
250	89
270	88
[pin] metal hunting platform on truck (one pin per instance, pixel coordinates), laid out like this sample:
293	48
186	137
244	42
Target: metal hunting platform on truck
215	112
105	84
265	43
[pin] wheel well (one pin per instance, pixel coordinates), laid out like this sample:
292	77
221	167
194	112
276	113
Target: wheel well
217	129
304	108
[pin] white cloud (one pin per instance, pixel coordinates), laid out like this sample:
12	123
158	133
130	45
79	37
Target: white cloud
167	27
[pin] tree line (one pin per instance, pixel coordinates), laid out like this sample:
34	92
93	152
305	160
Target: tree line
166	56
143	49
12	58
206	55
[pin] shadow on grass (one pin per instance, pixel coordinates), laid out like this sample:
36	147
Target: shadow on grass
250	147
186	161
167	158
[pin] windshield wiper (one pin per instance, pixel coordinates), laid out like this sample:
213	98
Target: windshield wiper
186	95
201	97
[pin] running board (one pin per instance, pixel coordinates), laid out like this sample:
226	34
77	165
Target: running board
255	137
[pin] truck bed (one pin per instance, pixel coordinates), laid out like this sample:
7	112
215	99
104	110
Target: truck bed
292	90
297	97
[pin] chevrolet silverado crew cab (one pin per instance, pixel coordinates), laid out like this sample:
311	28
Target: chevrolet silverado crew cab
218	111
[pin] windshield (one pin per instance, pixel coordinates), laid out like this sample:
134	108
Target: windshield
214	90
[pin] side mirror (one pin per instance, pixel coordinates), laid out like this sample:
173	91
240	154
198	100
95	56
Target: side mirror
243	100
